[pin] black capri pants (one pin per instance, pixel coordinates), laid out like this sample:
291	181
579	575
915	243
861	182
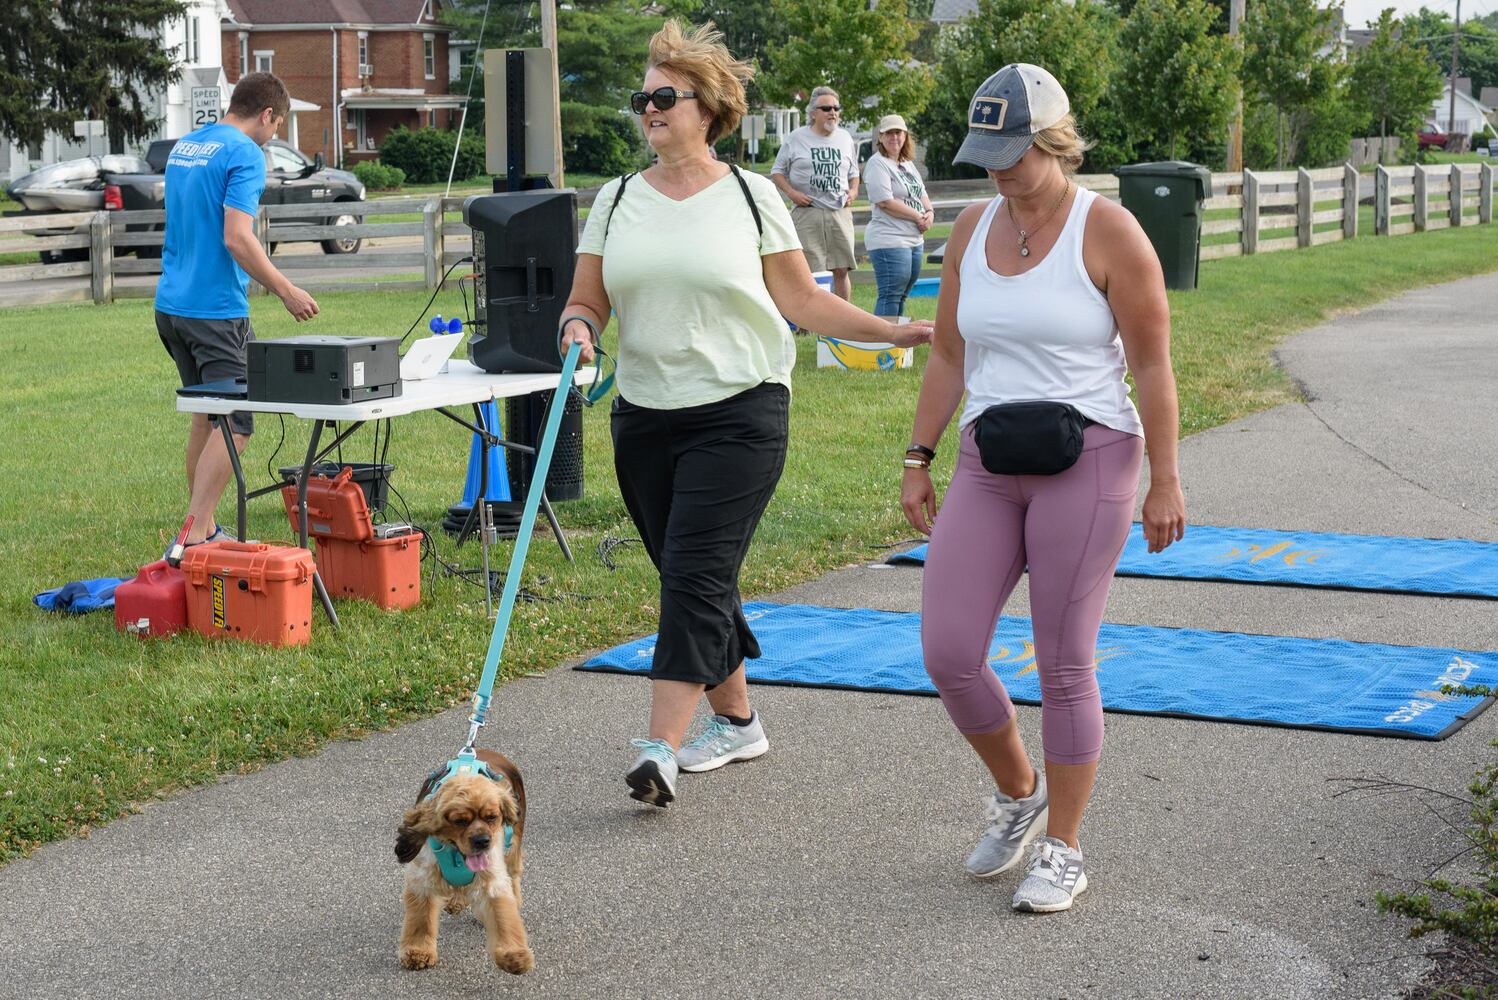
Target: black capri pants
696	482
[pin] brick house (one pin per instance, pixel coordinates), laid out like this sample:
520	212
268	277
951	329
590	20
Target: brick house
369	66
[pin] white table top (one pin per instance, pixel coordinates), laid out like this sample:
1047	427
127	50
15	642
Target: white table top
463	382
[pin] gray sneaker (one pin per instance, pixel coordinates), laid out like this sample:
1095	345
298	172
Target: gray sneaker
1055	879
723	743
1012	823
652	777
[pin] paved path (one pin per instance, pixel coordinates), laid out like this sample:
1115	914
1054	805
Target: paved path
1221	864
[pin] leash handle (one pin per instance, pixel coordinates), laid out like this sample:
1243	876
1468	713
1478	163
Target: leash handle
522	542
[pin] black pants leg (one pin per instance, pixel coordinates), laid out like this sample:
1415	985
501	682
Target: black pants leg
696	482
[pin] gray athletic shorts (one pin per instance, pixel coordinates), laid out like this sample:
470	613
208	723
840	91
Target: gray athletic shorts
209	350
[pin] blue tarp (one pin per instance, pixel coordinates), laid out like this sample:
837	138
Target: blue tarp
1302	683
1453	567
80	596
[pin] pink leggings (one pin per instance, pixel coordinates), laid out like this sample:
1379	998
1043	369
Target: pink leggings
1071	529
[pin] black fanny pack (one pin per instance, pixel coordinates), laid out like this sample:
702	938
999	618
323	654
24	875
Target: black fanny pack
1032	438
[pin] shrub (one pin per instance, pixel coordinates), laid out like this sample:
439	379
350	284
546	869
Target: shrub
600	140
1465	911
377	177
426	154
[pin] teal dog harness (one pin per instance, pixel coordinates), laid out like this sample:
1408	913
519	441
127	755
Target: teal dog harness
449	859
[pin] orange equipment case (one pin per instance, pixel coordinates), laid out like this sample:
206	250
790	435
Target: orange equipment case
386	571
250	590
336	508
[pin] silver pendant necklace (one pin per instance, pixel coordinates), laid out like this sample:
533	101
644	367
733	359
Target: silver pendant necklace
1025	234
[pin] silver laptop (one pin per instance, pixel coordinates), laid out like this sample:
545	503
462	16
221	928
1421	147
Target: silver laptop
428	357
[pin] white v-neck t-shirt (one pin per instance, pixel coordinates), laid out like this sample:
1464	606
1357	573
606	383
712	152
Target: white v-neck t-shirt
696	322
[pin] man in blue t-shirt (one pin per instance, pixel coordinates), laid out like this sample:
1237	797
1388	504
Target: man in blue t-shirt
214	178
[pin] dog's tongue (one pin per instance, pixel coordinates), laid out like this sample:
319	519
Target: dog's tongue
476	862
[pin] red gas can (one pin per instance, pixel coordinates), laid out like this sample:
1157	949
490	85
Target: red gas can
154	603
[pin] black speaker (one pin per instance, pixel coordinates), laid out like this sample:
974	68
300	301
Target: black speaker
525	419
524	252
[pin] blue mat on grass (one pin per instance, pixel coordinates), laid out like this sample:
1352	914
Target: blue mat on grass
1330	684
1450	567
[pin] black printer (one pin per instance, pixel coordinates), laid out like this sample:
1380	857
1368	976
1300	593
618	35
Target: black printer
328	370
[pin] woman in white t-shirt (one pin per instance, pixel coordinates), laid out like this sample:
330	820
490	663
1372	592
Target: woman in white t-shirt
700	262
899	213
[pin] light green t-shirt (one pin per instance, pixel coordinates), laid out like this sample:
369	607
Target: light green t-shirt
696	322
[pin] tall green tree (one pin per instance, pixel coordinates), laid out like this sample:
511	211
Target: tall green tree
749	27
63	60
1393	80
1477	48
1177	78
1289	65
860	52
1074	41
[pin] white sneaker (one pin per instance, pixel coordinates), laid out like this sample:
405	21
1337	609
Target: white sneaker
1055	879
723	743
1012	823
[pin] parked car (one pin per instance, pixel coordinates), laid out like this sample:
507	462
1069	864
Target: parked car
1429	137
127	182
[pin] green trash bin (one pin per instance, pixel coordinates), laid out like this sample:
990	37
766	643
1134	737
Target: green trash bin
1167	200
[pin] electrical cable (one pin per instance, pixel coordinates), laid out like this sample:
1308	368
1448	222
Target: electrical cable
435	291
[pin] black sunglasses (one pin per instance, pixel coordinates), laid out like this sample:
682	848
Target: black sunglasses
664	99
829	107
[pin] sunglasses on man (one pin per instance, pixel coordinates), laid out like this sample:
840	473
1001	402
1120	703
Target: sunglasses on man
664	99
830	108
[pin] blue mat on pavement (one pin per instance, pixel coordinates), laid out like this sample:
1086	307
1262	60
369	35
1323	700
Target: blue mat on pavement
1329	684
1450	567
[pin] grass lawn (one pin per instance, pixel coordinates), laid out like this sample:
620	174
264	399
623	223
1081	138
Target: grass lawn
93	722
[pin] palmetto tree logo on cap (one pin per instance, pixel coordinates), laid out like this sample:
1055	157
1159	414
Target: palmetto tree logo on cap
988	113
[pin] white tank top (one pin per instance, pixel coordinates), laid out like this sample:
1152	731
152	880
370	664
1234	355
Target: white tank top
1045	334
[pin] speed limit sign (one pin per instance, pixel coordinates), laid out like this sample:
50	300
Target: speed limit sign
206	105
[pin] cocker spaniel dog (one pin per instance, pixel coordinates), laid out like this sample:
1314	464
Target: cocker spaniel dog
454	844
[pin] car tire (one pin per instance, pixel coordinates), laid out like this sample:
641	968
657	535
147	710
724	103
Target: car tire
337	246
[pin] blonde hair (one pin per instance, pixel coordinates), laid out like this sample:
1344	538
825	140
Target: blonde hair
907	148
1064	142
702	61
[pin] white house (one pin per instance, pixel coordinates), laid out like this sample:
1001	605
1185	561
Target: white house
196	38
1471	114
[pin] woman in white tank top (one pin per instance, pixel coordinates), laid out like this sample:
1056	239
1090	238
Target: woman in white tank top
1048	292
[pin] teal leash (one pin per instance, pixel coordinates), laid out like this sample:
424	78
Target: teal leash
522	546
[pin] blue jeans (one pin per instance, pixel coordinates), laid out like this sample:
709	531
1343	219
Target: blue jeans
895	270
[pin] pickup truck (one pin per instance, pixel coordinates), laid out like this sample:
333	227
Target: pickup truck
126	183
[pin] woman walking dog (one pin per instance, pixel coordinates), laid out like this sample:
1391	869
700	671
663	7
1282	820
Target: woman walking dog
700	262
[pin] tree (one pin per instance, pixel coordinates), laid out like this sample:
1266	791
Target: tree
1286	64
601	44
1178	79
62	60
748	26
1074	41
859	52
1477	53
1393	81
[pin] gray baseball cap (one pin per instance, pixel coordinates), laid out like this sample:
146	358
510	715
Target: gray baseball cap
1006	112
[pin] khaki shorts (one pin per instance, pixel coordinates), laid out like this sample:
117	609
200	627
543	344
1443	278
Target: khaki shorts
826	236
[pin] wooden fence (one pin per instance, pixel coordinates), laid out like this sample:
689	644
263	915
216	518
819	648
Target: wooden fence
1263	211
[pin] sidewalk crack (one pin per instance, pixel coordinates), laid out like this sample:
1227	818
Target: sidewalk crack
1422	487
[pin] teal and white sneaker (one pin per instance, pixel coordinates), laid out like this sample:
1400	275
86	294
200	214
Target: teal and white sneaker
652	777
1055	879
723	743
1012	823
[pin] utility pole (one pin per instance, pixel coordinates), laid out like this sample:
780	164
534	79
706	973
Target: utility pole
1236	11
1456	37
549	42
